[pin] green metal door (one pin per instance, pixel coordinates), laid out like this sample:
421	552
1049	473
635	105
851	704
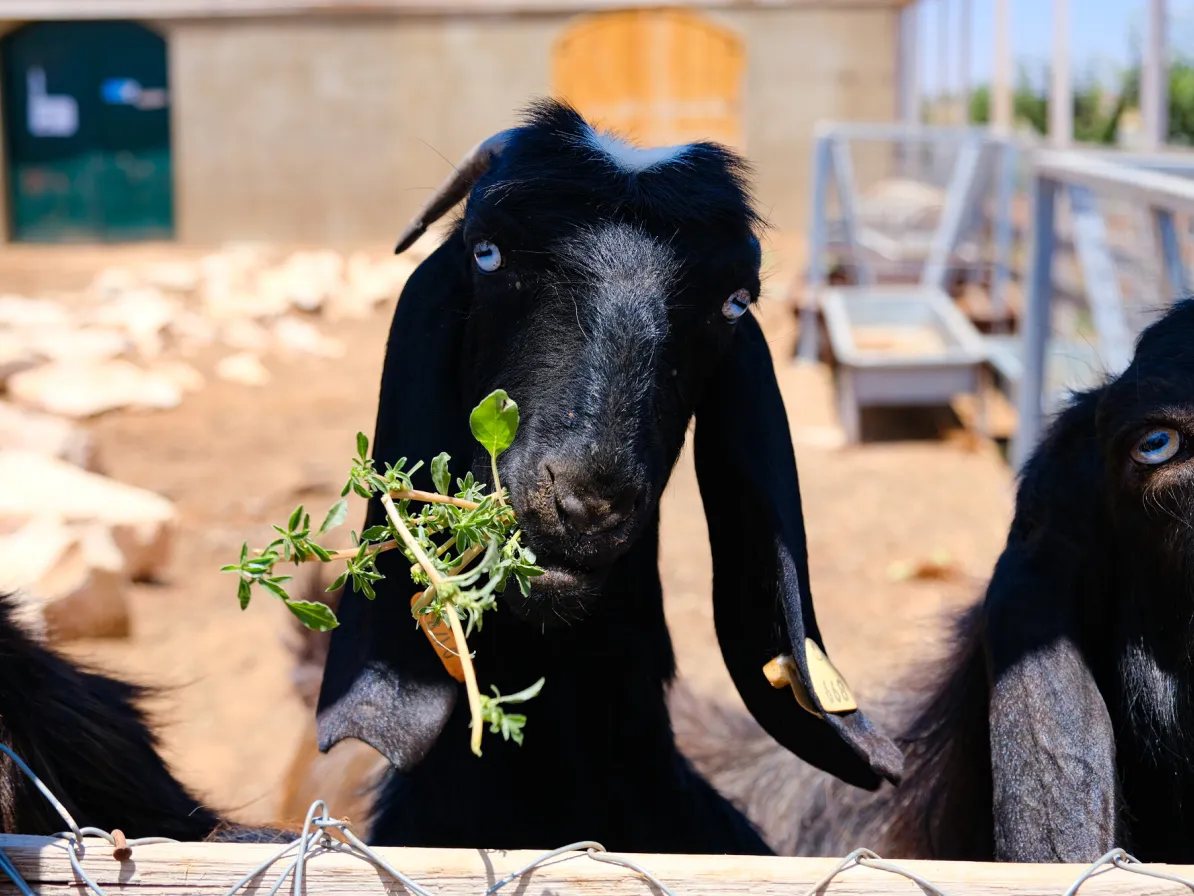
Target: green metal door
87	124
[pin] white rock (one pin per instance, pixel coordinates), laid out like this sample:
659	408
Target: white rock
245	368
19	312
313	278
379	280
172	276
82	389
77	346
141	313
111	282
15	355
25	430
246	335
182	374
141	523
299	336
192	331
76	575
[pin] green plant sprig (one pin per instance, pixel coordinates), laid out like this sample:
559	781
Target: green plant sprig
464	548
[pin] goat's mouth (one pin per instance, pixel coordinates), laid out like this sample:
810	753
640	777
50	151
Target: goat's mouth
561	596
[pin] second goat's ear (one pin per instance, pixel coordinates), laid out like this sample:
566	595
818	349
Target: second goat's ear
383	684
762	605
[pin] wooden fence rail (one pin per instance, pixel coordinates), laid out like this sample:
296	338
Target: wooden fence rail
207	869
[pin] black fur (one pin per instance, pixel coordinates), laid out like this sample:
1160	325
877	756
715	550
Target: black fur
1060	726
83	734
605	323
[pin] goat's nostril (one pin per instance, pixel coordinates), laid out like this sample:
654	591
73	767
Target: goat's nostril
591	512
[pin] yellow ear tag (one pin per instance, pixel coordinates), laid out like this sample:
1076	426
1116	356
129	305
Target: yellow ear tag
828	684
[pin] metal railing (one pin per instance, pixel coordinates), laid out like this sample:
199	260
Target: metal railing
1093	241
1088	182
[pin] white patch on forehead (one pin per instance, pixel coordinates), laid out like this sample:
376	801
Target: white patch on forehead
632	158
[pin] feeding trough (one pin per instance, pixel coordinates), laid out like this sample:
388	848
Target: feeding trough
901	346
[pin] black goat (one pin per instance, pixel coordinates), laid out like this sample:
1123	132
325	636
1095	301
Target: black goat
84	736
1061	725
607	289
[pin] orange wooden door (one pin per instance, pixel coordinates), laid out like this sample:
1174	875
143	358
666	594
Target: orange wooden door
658	76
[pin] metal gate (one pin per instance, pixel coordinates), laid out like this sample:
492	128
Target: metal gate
87	127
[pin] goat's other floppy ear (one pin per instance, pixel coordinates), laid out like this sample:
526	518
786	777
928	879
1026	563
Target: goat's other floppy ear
1052	742
762	606
383	683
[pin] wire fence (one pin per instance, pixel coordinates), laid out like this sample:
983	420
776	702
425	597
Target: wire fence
316	839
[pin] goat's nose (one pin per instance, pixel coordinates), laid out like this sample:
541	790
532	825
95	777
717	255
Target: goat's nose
588	508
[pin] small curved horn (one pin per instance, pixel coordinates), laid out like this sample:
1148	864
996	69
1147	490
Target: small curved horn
454	188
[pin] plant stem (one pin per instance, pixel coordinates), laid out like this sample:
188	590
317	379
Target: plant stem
465	559
466	661
346	554
497	483
414	494
443	549
470	677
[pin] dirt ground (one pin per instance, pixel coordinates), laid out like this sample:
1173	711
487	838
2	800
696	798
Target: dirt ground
235	459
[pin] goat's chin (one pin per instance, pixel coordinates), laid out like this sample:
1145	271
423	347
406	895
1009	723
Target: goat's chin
561	596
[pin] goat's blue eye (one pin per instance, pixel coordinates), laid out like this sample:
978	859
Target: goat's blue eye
1157	446
488	256
735	306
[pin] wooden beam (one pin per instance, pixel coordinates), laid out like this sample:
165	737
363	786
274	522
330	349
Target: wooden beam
198	869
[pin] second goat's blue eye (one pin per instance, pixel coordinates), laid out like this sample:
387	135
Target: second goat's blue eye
735	306
488	256
1157	446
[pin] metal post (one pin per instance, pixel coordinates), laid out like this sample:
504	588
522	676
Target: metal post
909	74
1154	79
1061	93
961	199
1171	254
965	42
1100	279
815	275
1003	232
943	103
908	87
1037	323
1002	112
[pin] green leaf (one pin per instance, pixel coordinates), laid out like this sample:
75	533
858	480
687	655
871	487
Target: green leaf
336	515
362	446
313	614
338	584
244	593
494	422
373	533
319	551
277	589
439	473
295	519
522	696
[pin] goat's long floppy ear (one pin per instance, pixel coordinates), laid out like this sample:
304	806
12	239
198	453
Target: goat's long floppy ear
1052	742
383	684
762	606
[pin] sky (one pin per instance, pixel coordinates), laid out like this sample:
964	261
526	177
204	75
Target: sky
1104	36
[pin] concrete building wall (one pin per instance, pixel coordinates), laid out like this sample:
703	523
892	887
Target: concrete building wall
333	130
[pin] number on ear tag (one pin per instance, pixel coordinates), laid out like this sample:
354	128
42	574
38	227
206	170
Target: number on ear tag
831	688
828	684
